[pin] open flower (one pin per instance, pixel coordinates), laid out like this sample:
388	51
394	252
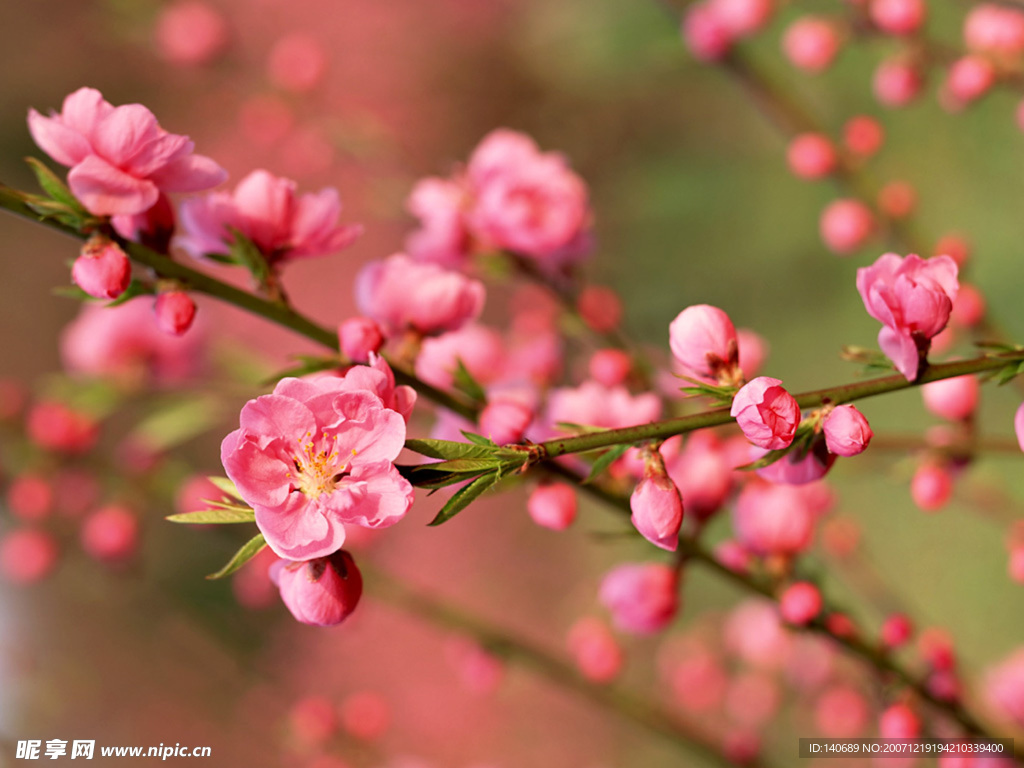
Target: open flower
120	157
313	457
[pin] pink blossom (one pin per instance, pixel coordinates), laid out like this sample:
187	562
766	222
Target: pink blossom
594	405
706	32
102	270
773	519
313	457
110	534
266	209
754	633
56	427
190	32
1018	425
863	135
912	298
657	511
898	17
897	199
642	597
595	651
120	157
969	307
812	156
897	83
800	603
743	17
600	308
841	713
610	366
767	413
897	630
932	486
27	555
703	341
313	720
1003	687
811	43
899	722
480	349
377	377
996	29
30	497
175	312
955	399
359	337
552	505
442	237
479	670
846	225
154	227
524	200
400	294
703	474
698	681
968	79
322	591
847	432
505	420
124	343
752	698
796	467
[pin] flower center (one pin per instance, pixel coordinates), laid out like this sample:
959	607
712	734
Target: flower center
318	467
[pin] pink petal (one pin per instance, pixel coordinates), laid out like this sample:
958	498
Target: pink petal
299	530
154	155
106	191
902	350
274	416
83	110
369	431
65	145
265	203
205	222
124	133
191	173
378	498
260	476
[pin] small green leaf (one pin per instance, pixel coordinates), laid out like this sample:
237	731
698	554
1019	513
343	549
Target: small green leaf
604	461
767	460
54	187
464	497
135	288
465	382
222	514
447	449
476	439
226	486
245	252
423	476
177	422
583	429
249	550
467	466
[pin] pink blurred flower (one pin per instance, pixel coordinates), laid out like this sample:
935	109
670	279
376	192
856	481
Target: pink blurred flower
898	17
505	420
897	83
358	337
912	297
995	29
365	715
323	591
30	497
932	486
175	312
846	225
120	157
773	519
1003	687
314	456
811	43
1018	425
968	79
102	269
899	721
955	399
706	32
594	405
56	427
767	413
524	200
610	366
847	432
480	349
110	534
190	32
400	293
552	505
703	341
27	555
812	156
266	209
754	632
796	467
841	713
595	651
897	629
800	603
642	597
657	511
703	474
297	63
599	307
442	237
743	17
863	135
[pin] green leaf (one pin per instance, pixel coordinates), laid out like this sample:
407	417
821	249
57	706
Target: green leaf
308	365
464	497
135	288
245	252
424	476
54	187
226	486
465	382
476	439
177	422
767	460
447	449
604	461
249	550
222	514
467	466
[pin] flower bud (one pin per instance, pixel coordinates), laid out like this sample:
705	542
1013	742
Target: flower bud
102	270
897	83
322	592
968	79
657	511
897	629
800	603
863	135
56	427
610	366
110	534
643	598
1018	425
899	722
365	715
706	32
846	226
812	156
955	399
969	307
931	486
898	17
358	337
30	497
505	421
767	413
175	312
600	308
847	432
704	342
552	505
597	655
811	43
27	555
773	519
897	200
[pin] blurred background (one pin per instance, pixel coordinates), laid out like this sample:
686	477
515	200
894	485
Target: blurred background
693	203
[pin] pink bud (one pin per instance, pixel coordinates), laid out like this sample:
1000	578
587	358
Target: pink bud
936	648
800	603
898	17
955	399
811	43
505	420
743	17
897	629
955	246
552	505
110	534
175	312
899	722
1015	567
643	598
657	511
931	486
995	29
897	83
480	671
597	655
969	307
322	592
846	226
968	79
847	432
773	519
863	135
812	156
313	721
27	555
1018	425
190	32
30	498
706	33
365	715
102	270
897	200
733	556
703	341
56	427
600	307
610	366
841	713
767	413
358	337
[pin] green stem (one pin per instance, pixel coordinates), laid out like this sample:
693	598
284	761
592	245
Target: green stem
197	281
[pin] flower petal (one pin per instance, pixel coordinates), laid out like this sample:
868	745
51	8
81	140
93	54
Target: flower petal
107	191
